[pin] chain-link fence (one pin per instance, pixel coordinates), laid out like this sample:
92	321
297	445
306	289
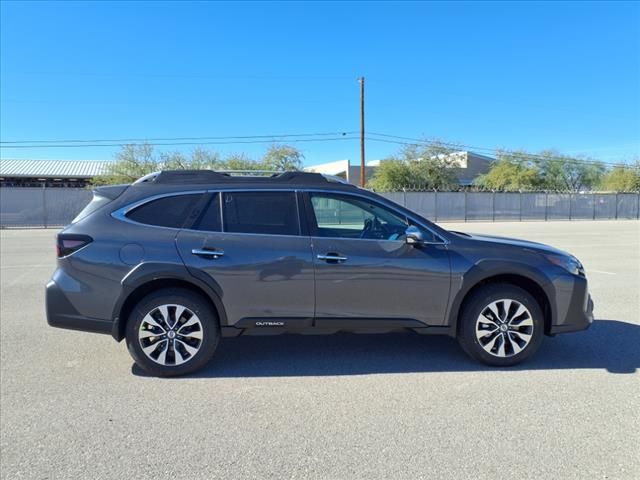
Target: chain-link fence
40	207
516	206
45	207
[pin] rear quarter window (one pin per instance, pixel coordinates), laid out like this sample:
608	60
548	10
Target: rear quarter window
172	211
96	202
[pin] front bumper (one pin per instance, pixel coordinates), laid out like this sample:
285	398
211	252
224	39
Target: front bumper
574	306
62	314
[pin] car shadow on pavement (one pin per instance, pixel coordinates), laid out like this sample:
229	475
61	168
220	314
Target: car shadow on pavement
609	344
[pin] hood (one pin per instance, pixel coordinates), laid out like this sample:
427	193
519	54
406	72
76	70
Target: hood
512	242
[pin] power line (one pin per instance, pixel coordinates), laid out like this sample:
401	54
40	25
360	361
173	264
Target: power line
289	137
236	142
493	151
416	141
539	158
137	140
424	141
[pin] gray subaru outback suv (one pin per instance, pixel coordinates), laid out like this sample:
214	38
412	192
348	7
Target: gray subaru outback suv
179	259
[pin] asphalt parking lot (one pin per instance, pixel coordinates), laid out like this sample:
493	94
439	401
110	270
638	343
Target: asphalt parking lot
345	406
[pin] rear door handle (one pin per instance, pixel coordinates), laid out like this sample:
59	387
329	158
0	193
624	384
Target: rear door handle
209	253
332	257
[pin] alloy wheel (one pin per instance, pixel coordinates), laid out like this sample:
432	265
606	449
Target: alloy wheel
170	334
504	328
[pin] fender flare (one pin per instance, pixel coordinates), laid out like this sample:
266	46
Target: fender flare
148	272
488	269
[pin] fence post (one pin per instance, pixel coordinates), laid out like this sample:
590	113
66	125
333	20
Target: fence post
593	196
436	203
546	205
493	205
44	205
638	207
616	205
520	205
404	197
570	204
465	205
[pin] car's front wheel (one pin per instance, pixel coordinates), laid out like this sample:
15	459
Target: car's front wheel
172	332
501	325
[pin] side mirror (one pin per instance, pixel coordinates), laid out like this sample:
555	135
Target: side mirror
414	235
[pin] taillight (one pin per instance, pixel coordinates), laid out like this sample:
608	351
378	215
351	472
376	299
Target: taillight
67	243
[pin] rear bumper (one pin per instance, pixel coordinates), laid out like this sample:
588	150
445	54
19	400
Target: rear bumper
578	309
62	314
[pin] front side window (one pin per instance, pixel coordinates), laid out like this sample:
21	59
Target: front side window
171	211
344	216
273	213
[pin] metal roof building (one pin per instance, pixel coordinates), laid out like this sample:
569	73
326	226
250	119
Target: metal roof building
50	173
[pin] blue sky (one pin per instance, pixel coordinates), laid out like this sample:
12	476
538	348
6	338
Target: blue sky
515	75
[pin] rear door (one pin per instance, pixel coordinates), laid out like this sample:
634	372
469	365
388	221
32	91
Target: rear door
365	271
250	247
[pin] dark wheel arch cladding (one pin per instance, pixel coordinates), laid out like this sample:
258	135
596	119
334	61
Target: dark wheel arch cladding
530	286
144	289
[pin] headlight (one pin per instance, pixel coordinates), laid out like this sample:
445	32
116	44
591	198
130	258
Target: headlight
570	263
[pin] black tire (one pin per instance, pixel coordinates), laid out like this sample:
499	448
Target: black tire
208	327
478	303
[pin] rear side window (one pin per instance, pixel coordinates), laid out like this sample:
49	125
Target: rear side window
210	220
169	211
273	213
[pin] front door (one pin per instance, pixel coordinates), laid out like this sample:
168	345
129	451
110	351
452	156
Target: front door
249	245
366	271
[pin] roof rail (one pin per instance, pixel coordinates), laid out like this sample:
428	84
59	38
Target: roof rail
335	178
211	176
251	173
149	177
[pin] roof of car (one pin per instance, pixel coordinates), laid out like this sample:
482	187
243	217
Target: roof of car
211	177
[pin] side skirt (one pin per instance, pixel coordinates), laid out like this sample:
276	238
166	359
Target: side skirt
276	330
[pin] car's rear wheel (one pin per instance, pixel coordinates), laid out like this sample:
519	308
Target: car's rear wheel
501	325
172	332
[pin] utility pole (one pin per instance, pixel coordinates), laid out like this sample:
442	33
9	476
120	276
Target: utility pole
362	179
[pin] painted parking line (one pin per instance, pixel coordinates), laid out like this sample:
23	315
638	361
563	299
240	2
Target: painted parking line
3	267
600	271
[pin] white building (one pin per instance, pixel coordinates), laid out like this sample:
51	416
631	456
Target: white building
344	169
468	166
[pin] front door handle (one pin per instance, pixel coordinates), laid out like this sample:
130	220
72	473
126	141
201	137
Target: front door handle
205	252
332	258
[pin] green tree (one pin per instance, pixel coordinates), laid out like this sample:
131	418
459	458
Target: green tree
173	161
622	179
560	172
392	174
240	162
427	167
511	171
135	161
548	170
202	159
131	163
282	158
